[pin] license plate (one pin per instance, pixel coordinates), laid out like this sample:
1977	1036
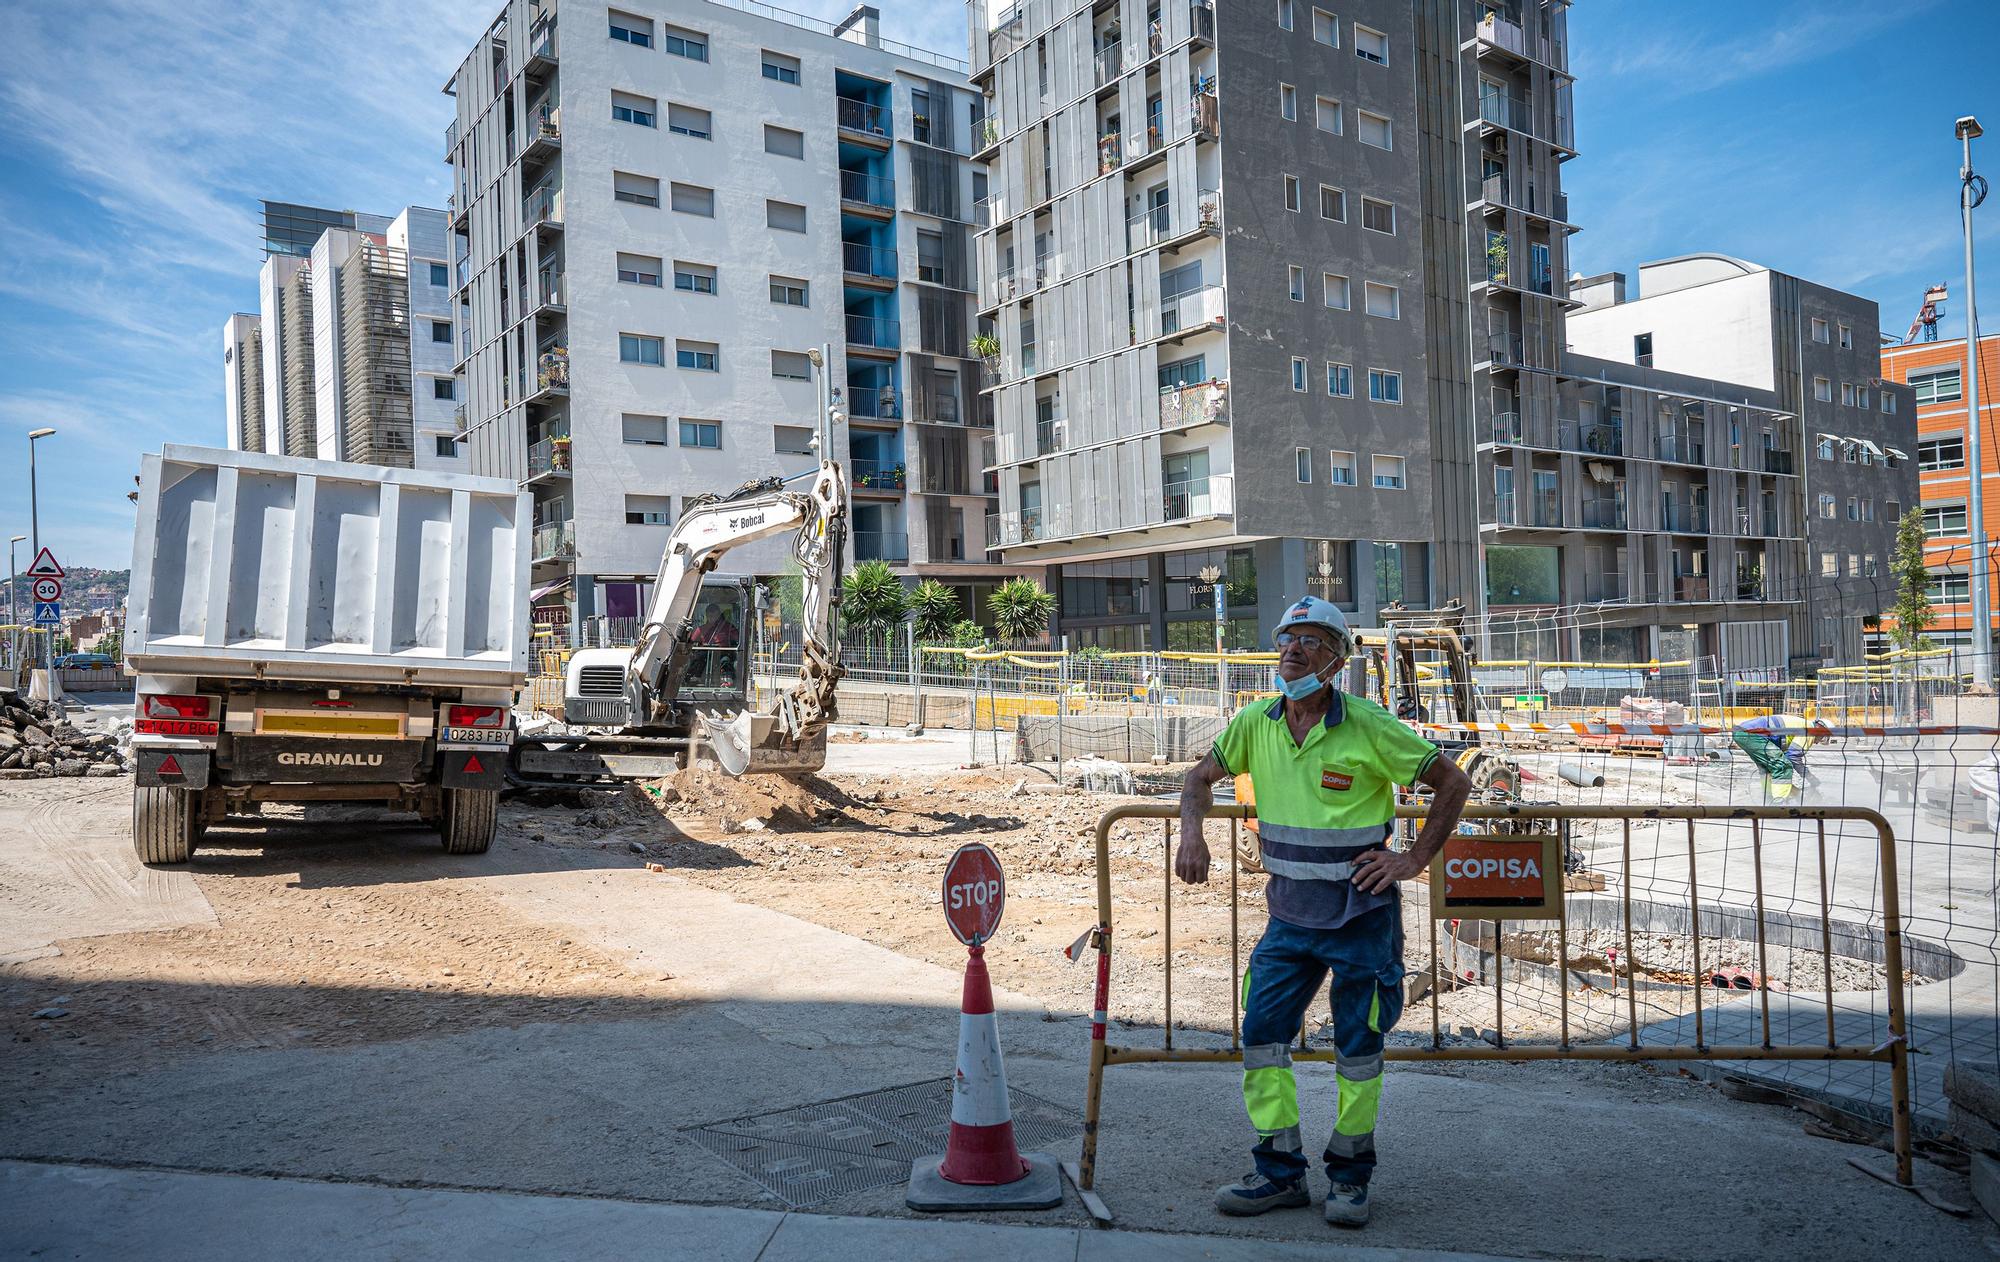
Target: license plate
479	735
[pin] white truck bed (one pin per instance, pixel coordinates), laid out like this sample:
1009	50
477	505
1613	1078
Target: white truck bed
277	567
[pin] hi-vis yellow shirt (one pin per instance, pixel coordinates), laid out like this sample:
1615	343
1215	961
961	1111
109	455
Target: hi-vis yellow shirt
1322	802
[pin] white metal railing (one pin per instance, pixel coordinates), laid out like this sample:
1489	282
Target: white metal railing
1195	403
1190	498
1192	311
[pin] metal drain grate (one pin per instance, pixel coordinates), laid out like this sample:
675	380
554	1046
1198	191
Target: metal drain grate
818	1152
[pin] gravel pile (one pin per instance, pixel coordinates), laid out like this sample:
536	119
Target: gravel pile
36	741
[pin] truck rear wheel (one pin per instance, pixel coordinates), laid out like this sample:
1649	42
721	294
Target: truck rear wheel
163	824
468	820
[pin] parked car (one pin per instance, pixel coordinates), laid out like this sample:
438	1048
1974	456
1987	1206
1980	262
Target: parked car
86	661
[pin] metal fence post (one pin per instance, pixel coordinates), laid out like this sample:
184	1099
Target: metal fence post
916	724
972	708
1062	706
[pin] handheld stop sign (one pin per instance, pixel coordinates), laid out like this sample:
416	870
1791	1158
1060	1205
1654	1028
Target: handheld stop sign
975	890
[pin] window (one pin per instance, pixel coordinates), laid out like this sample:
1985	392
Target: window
1385	301
792	440
637	31
441	331
440	276
1853	509
1378	216
693	199
645	431
1288	102
1947	451
638	269
1334	291
706	434
1371	45
1184	372
1847	393
1941	386
1822	390
789	291
1374	130
1893	510
1846	337
1854	565
1302	462
1284	15
636	348
681	42
1642	349
1850	451
1339	381
1340	470
1819	331
920	116
1826	505
1829	565
1867	508
930	257
779	68
1291	192
700	356
1950	589
1332	203
1825	449
444	387
785	216
445	446
686	120
1326	28
1385	387
640	190
1298	374
784	142
643	111
1941	520
1388	472
1888	403
648	510
1326	115
1861	396
694	278
1296	281
791	366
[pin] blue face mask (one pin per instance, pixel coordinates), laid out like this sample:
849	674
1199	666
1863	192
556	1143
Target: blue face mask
1298	689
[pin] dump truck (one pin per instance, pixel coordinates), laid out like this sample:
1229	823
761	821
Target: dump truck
320	631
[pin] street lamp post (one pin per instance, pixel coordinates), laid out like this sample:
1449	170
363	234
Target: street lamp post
35	530
13	619
1972	190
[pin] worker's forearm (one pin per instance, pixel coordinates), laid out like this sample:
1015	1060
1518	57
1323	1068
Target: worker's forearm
1442	821
1197	796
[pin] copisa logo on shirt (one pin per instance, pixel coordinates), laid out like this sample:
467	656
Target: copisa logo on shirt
1338	781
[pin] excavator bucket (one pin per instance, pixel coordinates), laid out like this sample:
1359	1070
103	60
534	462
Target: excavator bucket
754	744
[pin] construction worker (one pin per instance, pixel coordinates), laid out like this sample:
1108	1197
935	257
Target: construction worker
1325	765
1777	743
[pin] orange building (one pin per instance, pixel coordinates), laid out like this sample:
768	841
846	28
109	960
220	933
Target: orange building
1936	371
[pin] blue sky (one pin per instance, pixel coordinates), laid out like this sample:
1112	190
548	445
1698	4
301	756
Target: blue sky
1813	137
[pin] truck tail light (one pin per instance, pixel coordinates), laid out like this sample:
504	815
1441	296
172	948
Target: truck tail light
175	706
489	716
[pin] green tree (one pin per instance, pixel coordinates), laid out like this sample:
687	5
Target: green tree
966	634
1912	610
1020	609
872	599
936	608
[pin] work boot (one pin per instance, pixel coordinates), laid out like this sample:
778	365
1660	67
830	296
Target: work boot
1347	1205
1255	1194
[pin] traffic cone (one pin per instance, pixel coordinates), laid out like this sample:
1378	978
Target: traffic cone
981	1167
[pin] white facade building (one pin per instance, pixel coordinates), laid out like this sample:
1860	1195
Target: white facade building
243	381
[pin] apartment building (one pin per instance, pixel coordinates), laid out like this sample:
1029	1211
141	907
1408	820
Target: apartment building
1839	459
352	343
1935	373
660	209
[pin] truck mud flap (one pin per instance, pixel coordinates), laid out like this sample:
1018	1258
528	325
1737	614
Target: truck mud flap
171	768
308	760
473	768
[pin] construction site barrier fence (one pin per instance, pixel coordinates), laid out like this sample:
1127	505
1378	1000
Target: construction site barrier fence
1797	1024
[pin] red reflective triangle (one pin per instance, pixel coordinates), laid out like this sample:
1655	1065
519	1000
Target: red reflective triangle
170	766
45	566
473	766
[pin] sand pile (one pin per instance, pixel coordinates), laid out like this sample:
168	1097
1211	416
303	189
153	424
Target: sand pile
756	801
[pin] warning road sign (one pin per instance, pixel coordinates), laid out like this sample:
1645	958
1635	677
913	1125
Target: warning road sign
975	891
45	566
48	589
48	613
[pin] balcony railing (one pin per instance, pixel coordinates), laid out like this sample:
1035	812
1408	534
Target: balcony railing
860	116
552	372
1503	509
1011	33
877	475
868	190
1109	152
982	212
1156	223
542	42
1110	62
1204	114
1050	436
543	207
458	417
1192	311
544	126
876	331
1680	448
451	140
1196	403
1006	530
1776	461
551	290
1598	588
1505	348
943	409
1686	519
1749	587
551	455
987	136
1600	439
1545	511
1212	496
554	539
1691	587
892	546
875	403
867	260
1603	515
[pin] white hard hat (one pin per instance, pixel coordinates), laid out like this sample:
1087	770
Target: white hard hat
1312	610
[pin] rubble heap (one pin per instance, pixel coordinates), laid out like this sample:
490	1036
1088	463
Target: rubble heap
36	741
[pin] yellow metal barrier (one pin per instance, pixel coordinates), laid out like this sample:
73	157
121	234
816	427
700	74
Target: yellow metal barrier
1892	1052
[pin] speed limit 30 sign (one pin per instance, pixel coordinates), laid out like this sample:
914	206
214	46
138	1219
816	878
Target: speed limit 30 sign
47	589
975	891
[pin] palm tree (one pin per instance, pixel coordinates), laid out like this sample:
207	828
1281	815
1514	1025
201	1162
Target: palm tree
1020	609
935	607
873	599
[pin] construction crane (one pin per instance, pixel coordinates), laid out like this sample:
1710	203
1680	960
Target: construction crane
1927	316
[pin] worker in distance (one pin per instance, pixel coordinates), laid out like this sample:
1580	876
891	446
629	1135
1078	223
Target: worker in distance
1325	766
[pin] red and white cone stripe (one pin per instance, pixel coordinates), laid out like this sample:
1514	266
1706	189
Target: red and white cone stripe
981	1149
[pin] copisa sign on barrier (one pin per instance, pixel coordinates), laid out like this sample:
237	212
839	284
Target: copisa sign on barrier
1507	875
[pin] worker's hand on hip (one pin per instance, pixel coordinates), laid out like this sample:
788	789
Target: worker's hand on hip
1191	861
1377	871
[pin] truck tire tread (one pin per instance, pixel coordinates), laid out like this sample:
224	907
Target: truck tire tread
164	828
468	820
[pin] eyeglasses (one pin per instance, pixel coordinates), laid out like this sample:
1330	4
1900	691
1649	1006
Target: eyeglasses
1306	641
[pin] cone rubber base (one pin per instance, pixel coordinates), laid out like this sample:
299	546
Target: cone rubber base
1040	1188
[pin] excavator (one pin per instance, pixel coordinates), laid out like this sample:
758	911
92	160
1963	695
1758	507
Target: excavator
684	685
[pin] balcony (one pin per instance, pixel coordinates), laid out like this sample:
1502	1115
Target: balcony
1110	62
877	332
1194	404
1050	436
982	213
1109	153
1155	225
550	294
892	546
1749	587
458	417
1543	511
1602	588
451	141
1204	115
874	403
1691	587
1680	449
1193	498
542	50
1776	461
1197	311
1684	519
549	458
551	374
880	477
1504	349
859	118
543	209
1597	439
875	192
1007	530
544	134
1011	33
942	409
986	139
867	260
1603	514
554	539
